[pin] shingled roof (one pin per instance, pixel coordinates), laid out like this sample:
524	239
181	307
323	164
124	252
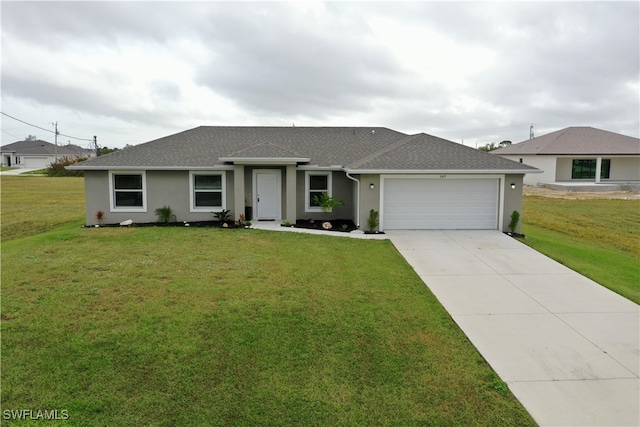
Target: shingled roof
41	148
428	152
576	141
350	148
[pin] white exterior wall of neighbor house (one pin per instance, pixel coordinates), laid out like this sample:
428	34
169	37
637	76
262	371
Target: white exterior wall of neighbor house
547	164
621	168
625	169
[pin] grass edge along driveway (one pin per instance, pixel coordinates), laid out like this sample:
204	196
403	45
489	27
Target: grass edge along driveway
598	238
171	326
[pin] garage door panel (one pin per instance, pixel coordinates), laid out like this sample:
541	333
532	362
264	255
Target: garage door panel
419	203
36	162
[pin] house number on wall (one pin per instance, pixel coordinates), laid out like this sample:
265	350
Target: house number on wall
443	176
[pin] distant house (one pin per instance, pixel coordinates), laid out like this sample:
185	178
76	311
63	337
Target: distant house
38	154
274	173
578	154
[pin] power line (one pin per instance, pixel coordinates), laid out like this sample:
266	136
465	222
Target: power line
47	130
9	134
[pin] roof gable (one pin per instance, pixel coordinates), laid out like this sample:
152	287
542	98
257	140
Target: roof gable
576	141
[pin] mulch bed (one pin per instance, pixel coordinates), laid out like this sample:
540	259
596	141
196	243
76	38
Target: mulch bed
215	224
340	225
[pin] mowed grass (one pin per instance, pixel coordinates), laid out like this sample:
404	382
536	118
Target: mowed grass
31	205
599	238
187	326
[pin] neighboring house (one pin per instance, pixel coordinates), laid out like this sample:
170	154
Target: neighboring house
273	173
578	154
38	154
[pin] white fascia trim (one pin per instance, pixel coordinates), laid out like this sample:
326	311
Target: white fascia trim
320	168
441	171
266	161
112	204
151	168
441	176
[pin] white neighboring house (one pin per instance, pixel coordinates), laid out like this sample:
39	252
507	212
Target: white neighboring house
38	154
578	155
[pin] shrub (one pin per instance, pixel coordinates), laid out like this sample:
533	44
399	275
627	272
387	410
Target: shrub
100	216
515	217
58	168
223	215
165	215
327	203
372	221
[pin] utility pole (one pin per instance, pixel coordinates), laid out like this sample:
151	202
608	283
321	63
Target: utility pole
55	155
95	145
531	131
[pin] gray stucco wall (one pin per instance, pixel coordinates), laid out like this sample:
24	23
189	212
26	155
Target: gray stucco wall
164	188
96	190
512	201
369	199
342	190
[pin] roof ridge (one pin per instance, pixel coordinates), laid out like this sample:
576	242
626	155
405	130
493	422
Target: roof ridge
265	144
386	149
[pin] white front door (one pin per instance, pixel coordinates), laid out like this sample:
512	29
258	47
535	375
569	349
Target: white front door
266	194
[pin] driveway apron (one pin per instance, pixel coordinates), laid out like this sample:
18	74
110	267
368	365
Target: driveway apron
567	347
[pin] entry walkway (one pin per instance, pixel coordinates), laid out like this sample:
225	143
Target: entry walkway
567	347
276	226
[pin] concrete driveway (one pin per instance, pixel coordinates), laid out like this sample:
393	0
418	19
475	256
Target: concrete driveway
567	347
17	171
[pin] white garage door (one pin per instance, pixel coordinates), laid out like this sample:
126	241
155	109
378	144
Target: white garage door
440	204
36	162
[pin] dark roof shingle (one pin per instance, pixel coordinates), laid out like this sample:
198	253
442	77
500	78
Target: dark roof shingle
353	148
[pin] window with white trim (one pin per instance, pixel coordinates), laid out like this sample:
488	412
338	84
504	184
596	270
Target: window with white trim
207	191
316	183
128	191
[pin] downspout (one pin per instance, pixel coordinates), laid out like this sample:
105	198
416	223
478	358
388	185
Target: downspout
357	198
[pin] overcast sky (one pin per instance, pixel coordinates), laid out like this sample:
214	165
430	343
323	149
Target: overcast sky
480	72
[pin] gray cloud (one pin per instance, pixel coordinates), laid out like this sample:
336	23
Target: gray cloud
555	64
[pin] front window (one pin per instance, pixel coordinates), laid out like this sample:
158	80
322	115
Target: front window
128	191
207	191
586	169
316	184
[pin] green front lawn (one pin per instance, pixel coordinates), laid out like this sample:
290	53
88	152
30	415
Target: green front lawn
598	238
32	205
179	326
